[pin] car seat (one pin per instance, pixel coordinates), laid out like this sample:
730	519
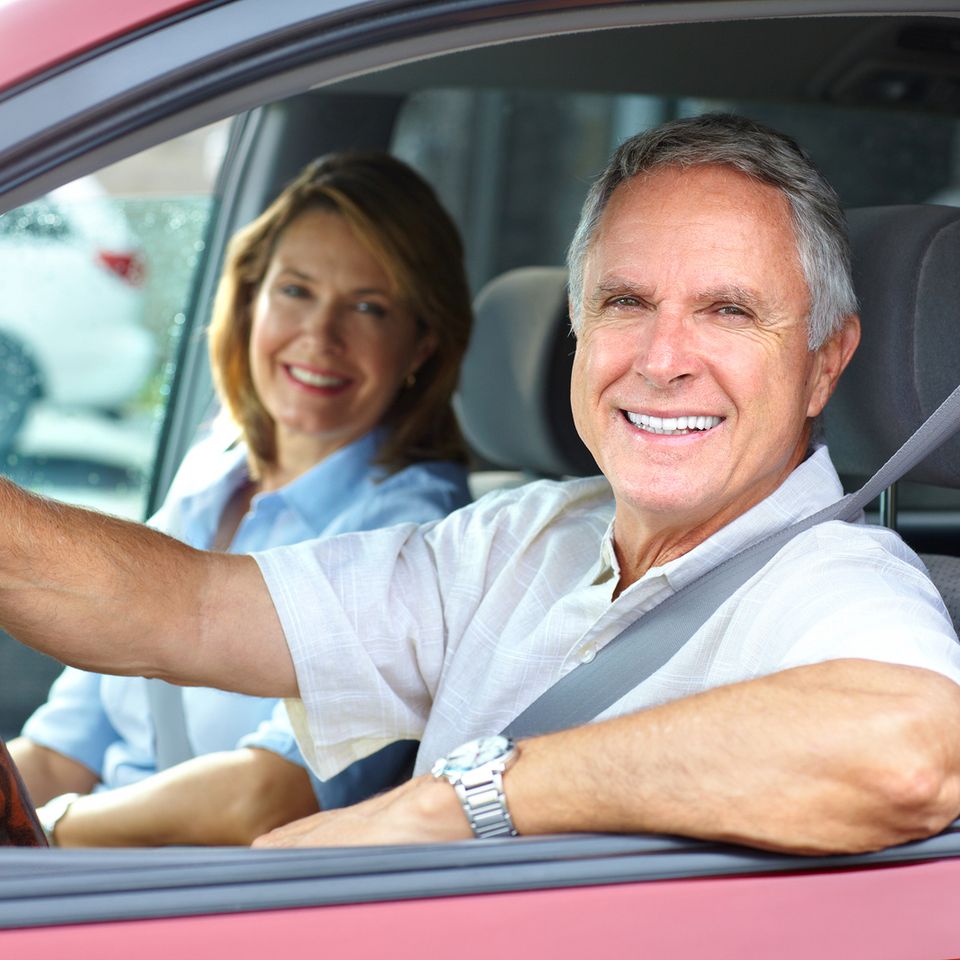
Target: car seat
513	402
905	269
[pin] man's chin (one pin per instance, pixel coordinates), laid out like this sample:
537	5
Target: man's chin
671	506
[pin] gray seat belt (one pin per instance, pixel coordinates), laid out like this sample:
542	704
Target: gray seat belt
648	643
171	743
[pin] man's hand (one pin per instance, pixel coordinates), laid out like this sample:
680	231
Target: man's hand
423	810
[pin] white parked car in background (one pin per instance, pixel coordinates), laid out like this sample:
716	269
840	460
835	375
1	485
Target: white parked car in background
90	352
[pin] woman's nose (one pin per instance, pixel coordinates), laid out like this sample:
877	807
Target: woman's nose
325	323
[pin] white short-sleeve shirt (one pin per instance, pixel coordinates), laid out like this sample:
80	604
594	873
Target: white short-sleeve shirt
447	631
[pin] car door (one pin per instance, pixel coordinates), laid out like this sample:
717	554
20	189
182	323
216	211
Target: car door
204	63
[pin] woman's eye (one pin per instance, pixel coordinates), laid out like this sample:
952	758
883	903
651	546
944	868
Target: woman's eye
373	309
294	290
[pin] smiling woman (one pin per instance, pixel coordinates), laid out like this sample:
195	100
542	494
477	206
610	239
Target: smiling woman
336	351
351	265
332	343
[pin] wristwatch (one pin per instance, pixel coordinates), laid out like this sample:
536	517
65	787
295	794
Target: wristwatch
52	812
475	770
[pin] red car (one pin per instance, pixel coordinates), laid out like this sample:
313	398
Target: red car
508	108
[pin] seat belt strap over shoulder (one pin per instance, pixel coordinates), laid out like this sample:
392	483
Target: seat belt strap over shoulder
171	743
647	644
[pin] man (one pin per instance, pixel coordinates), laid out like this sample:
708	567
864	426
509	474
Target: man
711	297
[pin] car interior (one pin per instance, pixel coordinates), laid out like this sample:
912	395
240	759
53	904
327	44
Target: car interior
510	136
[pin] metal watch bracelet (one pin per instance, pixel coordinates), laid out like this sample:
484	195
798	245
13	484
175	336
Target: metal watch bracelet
481	794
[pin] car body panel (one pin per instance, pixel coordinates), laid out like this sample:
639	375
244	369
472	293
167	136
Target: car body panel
887	912
39	34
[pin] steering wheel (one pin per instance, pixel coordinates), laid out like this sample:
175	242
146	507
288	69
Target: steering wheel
19	826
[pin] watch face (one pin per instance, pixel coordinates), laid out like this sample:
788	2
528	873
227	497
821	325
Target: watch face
476	753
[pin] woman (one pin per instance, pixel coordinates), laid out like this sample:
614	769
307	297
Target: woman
336	340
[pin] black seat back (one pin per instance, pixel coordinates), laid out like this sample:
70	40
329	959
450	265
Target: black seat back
906	264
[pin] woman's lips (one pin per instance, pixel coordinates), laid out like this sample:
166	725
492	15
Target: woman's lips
316	379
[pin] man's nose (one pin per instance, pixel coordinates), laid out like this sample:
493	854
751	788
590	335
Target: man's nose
666	352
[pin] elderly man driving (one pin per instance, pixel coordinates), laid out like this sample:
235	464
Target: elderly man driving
815	710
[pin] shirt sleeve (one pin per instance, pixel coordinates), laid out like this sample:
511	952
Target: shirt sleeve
73	721
276	734
363	618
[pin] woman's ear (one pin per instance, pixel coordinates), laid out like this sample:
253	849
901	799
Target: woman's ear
424	350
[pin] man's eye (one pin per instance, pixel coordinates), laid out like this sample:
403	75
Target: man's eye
732	310
624	302
294	290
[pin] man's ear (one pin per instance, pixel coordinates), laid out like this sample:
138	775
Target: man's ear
571	315
832	359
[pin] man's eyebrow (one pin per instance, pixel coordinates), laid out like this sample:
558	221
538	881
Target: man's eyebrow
620	286
722	293
732	293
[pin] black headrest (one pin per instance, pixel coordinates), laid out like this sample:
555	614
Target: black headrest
906	267
514	397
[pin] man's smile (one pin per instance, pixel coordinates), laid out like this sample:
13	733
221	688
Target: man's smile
673	426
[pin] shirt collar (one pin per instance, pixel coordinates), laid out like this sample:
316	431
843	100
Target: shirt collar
217	468
810	487
318	496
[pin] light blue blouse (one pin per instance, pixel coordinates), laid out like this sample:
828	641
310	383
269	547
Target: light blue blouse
104	722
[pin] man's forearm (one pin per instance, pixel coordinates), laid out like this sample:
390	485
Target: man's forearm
840	756
844	756
218	799
116	597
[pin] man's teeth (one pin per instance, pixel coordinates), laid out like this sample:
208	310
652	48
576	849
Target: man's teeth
672	425
312	379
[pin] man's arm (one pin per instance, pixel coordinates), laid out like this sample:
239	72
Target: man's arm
116	597
843	756
217	799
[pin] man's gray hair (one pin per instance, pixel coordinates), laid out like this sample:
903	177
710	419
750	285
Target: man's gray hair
762	153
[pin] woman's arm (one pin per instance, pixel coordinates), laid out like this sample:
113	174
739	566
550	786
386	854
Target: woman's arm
220	798
48	773
108	595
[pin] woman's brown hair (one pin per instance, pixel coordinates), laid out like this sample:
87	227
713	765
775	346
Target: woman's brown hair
396	214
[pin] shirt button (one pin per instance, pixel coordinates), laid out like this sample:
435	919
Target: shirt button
587	655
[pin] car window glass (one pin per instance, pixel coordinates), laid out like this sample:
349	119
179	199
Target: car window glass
96	279
513	165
